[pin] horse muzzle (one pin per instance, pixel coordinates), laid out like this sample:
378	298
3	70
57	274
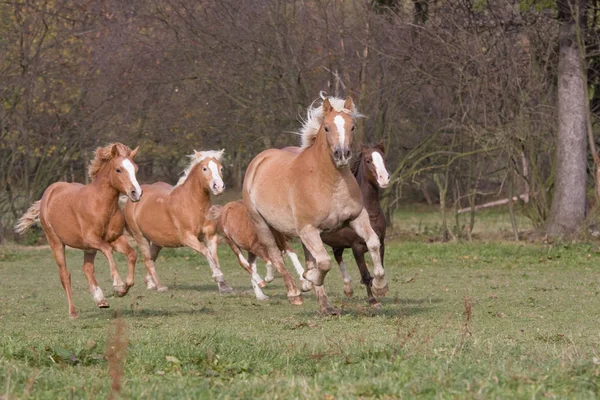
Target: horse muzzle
135	195
383	181
217	188
342	156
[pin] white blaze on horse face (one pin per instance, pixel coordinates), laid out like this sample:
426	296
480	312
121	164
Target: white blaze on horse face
383	177
216	184
128	165
339	123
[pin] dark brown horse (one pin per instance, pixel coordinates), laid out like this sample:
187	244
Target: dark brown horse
371	175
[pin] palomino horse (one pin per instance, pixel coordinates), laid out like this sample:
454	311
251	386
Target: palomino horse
234	223
87	217
177	216
371	174
311	192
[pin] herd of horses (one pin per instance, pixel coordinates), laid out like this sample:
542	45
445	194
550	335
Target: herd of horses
317	192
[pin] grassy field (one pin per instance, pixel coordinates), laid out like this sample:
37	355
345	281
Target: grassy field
462	320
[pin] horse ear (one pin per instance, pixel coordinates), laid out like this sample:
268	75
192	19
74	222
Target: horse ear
114	151
381	145
134	152
326	106
349	104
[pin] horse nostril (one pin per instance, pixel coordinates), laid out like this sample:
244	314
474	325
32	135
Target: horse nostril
347	153
336	154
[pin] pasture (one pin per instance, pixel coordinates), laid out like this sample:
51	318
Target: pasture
462	320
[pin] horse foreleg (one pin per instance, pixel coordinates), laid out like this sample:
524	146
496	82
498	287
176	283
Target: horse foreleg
362	226
305	285
311	238
256	285
246	264
88	270
338	253
322	298
122	246
65	276
193	242
106	249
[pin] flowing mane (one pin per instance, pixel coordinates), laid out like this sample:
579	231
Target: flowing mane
356	164
102	156
197	158
314	119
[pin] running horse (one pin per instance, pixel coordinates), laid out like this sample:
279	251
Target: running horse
307	193
371	175
178	216
87	217
236	226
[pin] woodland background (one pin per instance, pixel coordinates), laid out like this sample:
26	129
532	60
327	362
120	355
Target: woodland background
466	94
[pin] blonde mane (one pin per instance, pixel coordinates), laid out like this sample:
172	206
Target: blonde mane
103	155
197	158
314	119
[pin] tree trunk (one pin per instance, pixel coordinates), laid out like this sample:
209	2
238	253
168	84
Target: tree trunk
569	200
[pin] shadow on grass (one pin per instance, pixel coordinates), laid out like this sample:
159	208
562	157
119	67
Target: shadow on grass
143	313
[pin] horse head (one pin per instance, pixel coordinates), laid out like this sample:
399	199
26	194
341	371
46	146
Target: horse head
122	171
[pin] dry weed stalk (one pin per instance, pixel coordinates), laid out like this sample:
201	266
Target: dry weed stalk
116	347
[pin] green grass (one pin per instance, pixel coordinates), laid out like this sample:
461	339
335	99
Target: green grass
533	331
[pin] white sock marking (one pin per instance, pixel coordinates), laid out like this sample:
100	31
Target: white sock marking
98	295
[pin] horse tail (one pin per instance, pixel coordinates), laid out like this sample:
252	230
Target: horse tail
29	218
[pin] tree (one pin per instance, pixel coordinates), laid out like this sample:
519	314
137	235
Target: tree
569	200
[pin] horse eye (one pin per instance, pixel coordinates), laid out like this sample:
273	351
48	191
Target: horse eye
353	129
326	129
204	169
118	171
368	161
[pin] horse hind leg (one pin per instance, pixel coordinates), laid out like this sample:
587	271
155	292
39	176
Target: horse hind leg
88	270
122	246
338	253
193	242
58	249
211	241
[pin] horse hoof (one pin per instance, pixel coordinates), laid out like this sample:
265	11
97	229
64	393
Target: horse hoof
296	300
380	291
150	285
102	304
120	290
330	311
373	302
306	286
264	297
262	284
348	291
224	288
269	279
73	315
161	288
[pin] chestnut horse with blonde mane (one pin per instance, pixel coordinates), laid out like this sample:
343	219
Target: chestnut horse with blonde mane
236	226
87	217
178	216
307	193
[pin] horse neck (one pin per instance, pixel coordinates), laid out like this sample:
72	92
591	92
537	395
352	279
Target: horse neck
369	189
194	188
104	189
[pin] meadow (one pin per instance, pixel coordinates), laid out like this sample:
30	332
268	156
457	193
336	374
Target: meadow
486	319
